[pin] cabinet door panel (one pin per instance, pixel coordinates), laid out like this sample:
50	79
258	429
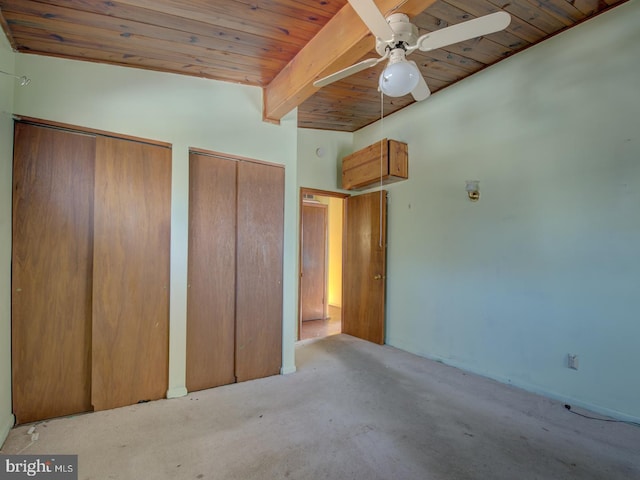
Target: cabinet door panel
259	270
51	272
131	273
212	268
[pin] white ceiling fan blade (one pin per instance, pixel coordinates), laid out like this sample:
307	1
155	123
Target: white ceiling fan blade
421	92
345	72
372	18
464	31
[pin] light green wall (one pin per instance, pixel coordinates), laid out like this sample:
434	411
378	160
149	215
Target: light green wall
6	154
322	172
546	263
187	112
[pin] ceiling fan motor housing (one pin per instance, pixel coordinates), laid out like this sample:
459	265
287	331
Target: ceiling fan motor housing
405	33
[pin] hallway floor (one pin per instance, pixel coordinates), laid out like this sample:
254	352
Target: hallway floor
324	327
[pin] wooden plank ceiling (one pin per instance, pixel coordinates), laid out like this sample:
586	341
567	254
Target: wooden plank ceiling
282	46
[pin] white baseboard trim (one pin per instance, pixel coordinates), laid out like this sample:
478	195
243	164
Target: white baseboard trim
288	370
5	427
177	392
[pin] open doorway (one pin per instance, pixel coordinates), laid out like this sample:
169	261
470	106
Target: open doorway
320	297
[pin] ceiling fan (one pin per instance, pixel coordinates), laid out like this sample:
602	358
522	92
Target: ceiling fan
396	38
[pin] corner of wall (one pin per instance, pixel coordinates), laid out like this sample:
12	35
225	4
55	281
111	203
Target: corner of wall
5	427
7	63
286	370
177	392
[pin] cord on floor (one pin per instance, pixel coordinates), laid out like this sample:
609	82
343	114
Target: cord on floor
613	420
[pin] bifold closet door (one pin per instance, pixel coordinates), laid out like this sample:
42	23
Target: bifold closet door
53	175
130	340
259	270
211	272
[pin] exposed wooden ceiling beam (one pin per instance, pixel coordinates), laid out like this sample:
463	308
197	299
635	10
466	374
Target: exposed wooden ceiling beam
343	41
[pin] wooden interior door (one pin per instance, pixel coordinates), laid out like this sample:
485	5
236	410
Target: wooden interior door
259	270
212	272
364	271
51	272
313	277
131	272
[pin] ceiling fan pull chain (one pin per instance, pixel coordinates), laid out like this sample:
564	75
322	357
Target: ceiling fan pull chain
381	157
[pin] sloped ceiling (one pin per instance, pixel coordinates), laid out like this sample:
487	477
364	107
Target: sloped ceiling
282	46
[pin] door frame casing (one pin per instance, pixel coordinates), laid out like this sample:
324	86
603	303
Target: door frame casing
309	191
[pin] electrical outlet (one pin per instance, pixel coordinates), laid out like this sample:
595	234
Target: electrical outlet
572	361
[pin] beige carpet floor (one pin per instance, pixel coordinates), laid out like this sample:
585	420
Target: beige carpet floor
353	410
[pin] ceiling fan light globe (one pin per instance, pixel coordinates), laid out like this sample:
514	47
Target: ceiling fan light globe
399	79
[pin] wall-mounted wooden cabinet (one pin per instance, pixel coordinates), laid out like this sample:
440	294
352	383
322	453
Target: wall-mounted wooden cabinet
383	162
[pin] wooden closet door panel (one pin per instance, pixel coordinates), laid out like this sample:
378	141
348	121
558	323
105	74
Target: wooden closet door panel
259	270
131	273
51	272
212	267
